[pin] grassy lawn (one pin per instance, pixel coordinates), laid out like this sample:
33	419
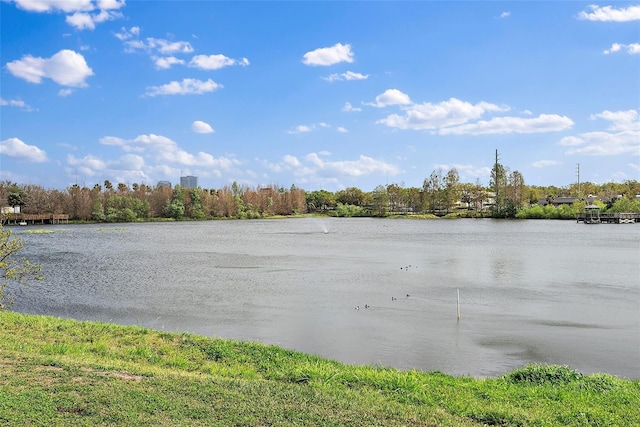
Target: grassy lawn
56	372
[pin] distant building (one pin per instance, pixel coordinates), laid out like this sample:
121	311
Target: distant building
557	201
189	181
163	184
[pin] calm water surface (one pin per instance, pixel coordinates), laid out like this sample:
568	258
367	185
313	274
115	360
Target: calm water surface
530	291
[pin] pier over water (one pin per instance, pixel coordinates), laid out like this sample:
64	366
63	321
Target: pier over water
32	219
609	218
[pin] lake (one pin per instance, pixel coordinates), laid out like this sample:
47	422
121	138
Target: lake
361	290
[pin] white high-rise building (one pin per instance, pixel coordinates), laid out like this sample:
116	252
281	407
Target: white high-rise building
189	181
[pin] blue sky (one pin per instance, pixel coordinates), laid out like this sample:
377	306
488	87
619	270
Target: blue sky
322	95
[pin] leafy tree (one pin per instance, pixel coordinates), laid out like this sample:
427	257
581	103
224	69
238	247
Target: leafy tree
516	189
348	210
478	195
196	210
123	188
380	200
498	184
451	191
625	204
466	194
394	194
320	200
15	199
97	212
413	197
35	199
175	208
432	188
352	196
13	272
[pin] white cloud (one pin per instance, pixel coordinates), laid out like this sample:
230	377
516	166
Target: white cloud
125	34
129	162
364	165
545	163
291	161
307	128
88	21
503	125
628	120
127	168
87	165
201	127
315	168
632	49
80	16
162	46
52	6
349	108
110	4
390	97
428	116
15	103
329	55
165	62
300	129
14	147
610	14
185	87
571	141
466	171
81	21
342	129
67	68
623	136
505	14
215	62
65	92
473	171
162	149
457	117
349	75
605	143
11	103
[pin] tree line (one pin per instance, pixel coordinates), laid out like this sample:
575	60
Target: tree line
441	194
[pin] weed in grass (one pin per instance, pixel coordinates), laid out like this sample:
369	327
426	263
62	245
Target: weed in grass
55	348
537	374
495	418
599	383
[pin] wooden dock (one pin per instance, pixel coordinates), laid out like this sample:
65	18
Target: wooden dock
609	218
33	219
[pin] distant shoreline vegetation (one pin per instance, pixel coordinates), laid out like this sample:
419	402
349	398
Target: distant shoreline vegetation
442	195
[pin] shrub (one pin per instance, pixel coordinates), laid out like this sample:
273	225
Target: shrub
537	374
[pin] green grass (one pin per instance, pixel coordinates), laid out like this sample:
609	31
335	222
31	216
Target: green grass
56	372
41	231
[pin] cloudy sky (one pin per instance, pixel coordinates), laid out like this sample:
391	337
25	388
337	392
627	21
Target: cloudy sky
323	95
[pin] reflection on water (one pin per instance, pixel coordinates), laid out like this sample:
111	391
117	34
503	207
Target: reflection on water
531	291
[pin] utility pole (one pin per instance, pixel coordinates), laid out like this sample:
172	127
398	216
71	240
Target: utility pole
497	183
578	177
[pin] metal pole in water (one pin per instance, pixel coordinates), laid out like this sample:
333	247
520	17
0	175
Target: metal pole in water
458	303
